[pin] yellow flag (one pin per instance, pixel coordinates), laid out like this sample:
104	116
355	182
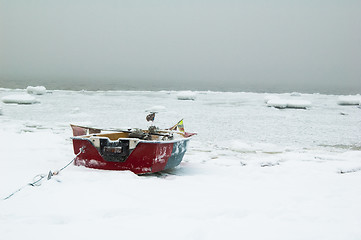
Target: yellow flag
180	126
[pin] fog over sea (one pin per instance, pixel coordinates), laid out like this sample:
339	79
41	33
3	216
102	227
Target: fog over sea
240	46
152	85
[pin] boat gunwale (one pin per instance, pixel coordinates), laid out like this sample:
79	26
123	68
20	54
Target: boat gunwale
87	137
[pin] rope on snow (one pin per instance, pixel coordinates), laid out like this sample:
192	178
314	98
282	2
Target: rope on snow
38	178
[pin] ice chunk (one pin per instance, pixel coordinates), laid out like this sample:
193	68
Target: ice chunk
186	95
295	94
298	104
38	90
277	103
349	100
289	103
19	99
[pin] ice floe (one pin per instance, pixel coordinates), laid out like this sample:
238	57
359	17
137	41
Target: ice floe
349	100
295	94
298	104
278	102
19	99
38	90
186	95
289	103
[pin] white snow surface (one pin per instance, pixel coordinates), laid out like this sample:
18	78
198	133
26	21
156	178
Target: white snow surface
252	172
157	108
38	90
19	99
270	97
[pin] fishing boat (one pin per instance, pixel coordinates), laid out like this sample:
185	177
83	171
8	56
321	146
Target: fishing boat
136	150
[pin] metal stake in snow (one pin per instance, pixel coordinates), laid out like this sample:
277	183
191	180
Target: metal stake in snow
38	178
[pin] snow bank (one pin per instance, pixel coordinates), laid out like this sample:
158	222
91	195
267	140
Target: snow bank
289	103
38	90
349	100
19	99
186	95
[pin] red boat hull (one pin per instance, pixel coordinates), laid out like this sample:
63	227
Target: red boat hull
147	156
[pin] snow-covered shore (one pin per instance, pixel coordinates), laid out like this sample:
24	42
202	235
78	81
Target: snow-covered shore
252	172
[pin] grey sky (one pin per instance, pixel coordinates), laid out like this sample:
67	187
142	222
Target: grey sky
308	46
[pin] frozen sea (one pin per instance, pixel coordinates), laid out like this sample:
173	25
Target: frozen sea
252	172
